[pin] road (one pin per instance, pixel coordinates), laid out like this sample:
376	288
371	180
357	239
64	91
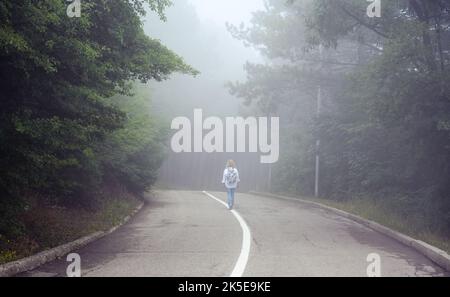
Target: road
180	233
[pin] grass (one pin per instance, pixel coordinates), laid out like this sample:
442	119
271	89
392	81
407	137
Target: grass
407	224
47	227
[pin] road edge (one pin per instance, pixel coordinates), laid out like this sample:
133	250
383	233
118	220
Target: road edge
41	258
433	253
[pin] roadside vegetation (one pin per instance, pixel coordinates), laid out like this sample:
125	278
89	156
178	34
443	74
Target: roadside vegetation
74	124
384	116
47	226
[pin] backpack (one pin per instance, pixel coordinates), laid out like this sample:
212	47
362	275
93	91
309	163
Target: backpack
231	176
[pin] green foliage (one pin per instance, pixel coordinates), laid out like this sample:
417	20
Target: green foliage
385	110
134	153
59	128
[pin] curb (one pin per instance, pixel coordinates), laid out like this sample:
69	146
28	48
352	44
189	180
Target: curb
32	262
433	253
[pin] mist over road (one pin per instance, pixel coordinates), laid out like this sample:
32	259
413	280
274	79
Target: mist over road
188	234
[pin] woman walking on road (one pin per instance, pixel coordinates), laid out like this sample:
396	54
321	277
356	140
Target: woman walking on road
231	180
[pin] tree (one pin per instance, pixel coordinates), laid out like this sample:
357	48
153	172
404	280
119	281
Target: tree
384	121
55	73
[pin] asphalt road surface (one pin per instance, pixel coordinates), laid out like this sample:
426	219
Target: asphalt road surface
189	234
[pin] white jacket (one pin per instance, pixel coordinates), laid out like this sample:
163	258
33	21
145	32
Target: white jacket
227	183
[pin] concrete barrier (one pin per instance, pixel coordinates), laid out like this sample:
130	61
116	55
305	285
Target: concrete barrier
436	255
32	262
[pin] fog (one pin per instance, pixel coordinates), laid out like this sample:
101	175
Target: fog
286	137
196	30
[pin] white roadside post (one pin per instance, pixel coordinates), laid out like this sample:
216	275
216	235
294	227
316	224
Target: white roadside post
319	106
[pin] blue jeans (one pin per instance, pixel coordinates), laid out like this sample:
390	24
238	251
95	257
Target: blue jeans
230	195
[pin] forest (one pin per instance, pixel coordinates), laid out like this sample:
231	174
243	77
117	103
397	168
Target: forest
74	124
364	100
382	125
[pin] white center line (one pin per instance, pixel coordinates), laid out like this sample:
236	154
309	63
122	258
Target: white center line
239	268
